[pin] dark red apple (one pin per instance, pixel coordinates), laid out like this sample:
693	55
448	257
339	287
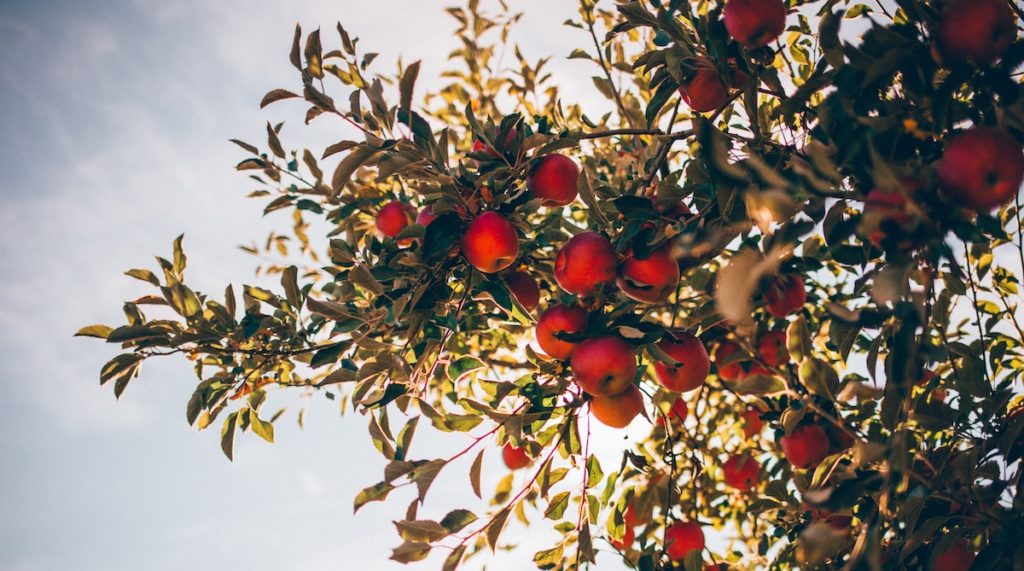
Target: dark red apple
618	410
755	23
772	348
683	537
553	180
752	423
515	457
524	288
694	363
976	31
393	217
786	295
560	319
677	413
704	91
732	371
806	446
490	243
958	557
479	145
426	216
651	279
604	366
881	206
741	471
585	263
982	168
627	540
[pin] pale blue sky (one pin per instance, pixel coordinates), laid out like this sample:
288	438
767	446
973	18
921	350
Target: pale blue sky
116	115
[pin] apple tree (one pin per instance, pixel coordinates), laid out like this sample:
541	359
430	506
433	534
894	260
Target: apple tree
791	254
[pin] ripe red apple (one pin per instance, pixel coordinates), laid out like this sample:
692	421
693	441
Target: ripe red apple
772	348
426	216
958	557
786	295
479	145
755	23
806	446
741	471
632	517
732	371
618	410
881	206
838	439
627	540
393	217
683	537
524	288
584	263
490	243
553	180
704	91
694	364
560	319
677	413
651	279
982	168
752	423
977	31
515	457
604	366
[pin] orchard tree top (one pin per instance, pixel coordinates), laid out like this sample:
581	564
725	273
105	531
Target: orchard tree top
822	196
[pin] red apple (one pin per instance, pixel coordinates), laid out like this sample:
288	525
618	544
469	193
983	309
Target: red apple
618	410
982	168
627	540
755	23
806	446
741	471
631	517
838	439
694	364
772	348
426	216
490	243
479	145
732	371
560	319
786	295
881	206
393	217
553	180
958	557
604	366
704	91
677	413
585	263
752	423
651	279
977	31
524	288
683	537
515	457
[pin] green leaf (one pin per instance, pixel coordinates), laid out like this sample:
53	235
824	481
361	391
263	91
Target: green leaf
410	551
496	526
474	474
357	157
98	331
406	84
261	428
276	95
144	275
556	506
374	493
463	366
457	519
421	530
179	256
227	435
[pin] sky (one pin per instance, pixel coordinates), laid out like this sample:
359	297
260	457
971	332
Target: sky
114	137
